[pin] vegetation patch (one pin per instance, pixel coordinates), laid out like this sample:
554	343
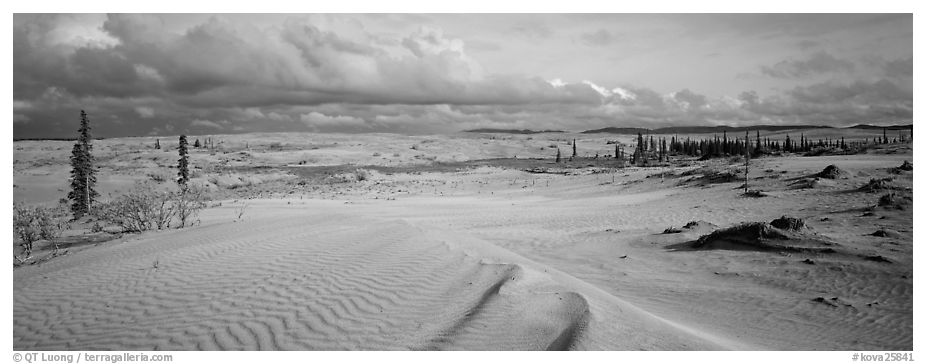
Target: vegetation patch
788	223
832	172
762	236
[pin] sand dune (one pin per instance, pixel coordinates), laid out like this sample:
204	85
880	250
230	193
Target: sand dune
318	282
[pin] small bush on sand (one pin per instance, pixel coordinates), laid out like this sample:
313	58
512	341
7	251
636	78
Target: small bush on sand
746	234
145	207
26	226
906	166
895	200
831	172
886	233
877	184
362	175
754	193
32	224
887	200
788	223
691	224
671	230
191	199
158	177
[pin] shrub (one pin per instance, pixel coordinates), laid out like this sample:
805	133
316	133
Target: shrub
361	175
190	200
906	166
145	208
26	226
788	223
32	224
157	177
671	230
877	184
831	172
142	209
52	223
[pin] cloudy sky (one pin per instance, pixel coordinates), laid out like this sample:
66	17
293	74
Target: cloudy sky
435	73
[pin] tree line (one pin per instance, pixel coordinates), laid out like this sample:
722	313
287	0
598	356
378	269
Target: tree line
649	148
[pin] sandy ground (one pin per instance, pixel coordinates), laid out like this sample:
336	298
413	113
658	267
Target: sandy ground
486	258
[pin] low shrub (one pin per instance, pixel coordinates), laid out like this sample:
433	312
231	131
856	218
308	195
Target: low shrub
32	224
145	208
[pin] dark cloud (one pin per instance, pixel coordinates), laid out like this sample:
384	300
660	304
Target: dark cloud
835	103
817	63
690	98
899	68
856	93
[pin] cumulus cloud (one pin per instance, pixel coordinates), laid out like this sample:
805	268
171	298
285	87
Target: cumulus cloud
139	74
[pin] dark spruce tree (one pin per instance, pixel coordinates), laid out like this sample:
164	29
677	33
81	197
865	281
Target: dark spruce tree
558	156
183	174
78	193
196	144
758	151
83	176
573	148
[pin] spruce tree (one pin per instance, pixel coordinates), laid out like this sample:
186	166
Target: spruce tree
746	177
758	151
78	182
573	148
558	156
83	176
182	163
196	144
726	146
157	144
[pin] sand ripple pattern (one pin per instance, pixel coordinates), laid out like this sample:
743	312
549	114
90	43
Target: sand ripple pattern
306	282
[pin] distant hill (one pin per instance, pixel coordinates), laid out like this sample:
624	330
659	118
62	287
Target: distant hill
51	139
889	127
702	129
613	130
512	131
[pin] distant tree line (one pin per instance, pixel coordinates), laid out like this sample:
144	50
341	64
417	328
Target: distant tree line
722	145
649	149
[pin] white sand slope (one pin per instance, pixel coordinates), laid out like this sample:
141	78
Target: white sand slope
295	280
